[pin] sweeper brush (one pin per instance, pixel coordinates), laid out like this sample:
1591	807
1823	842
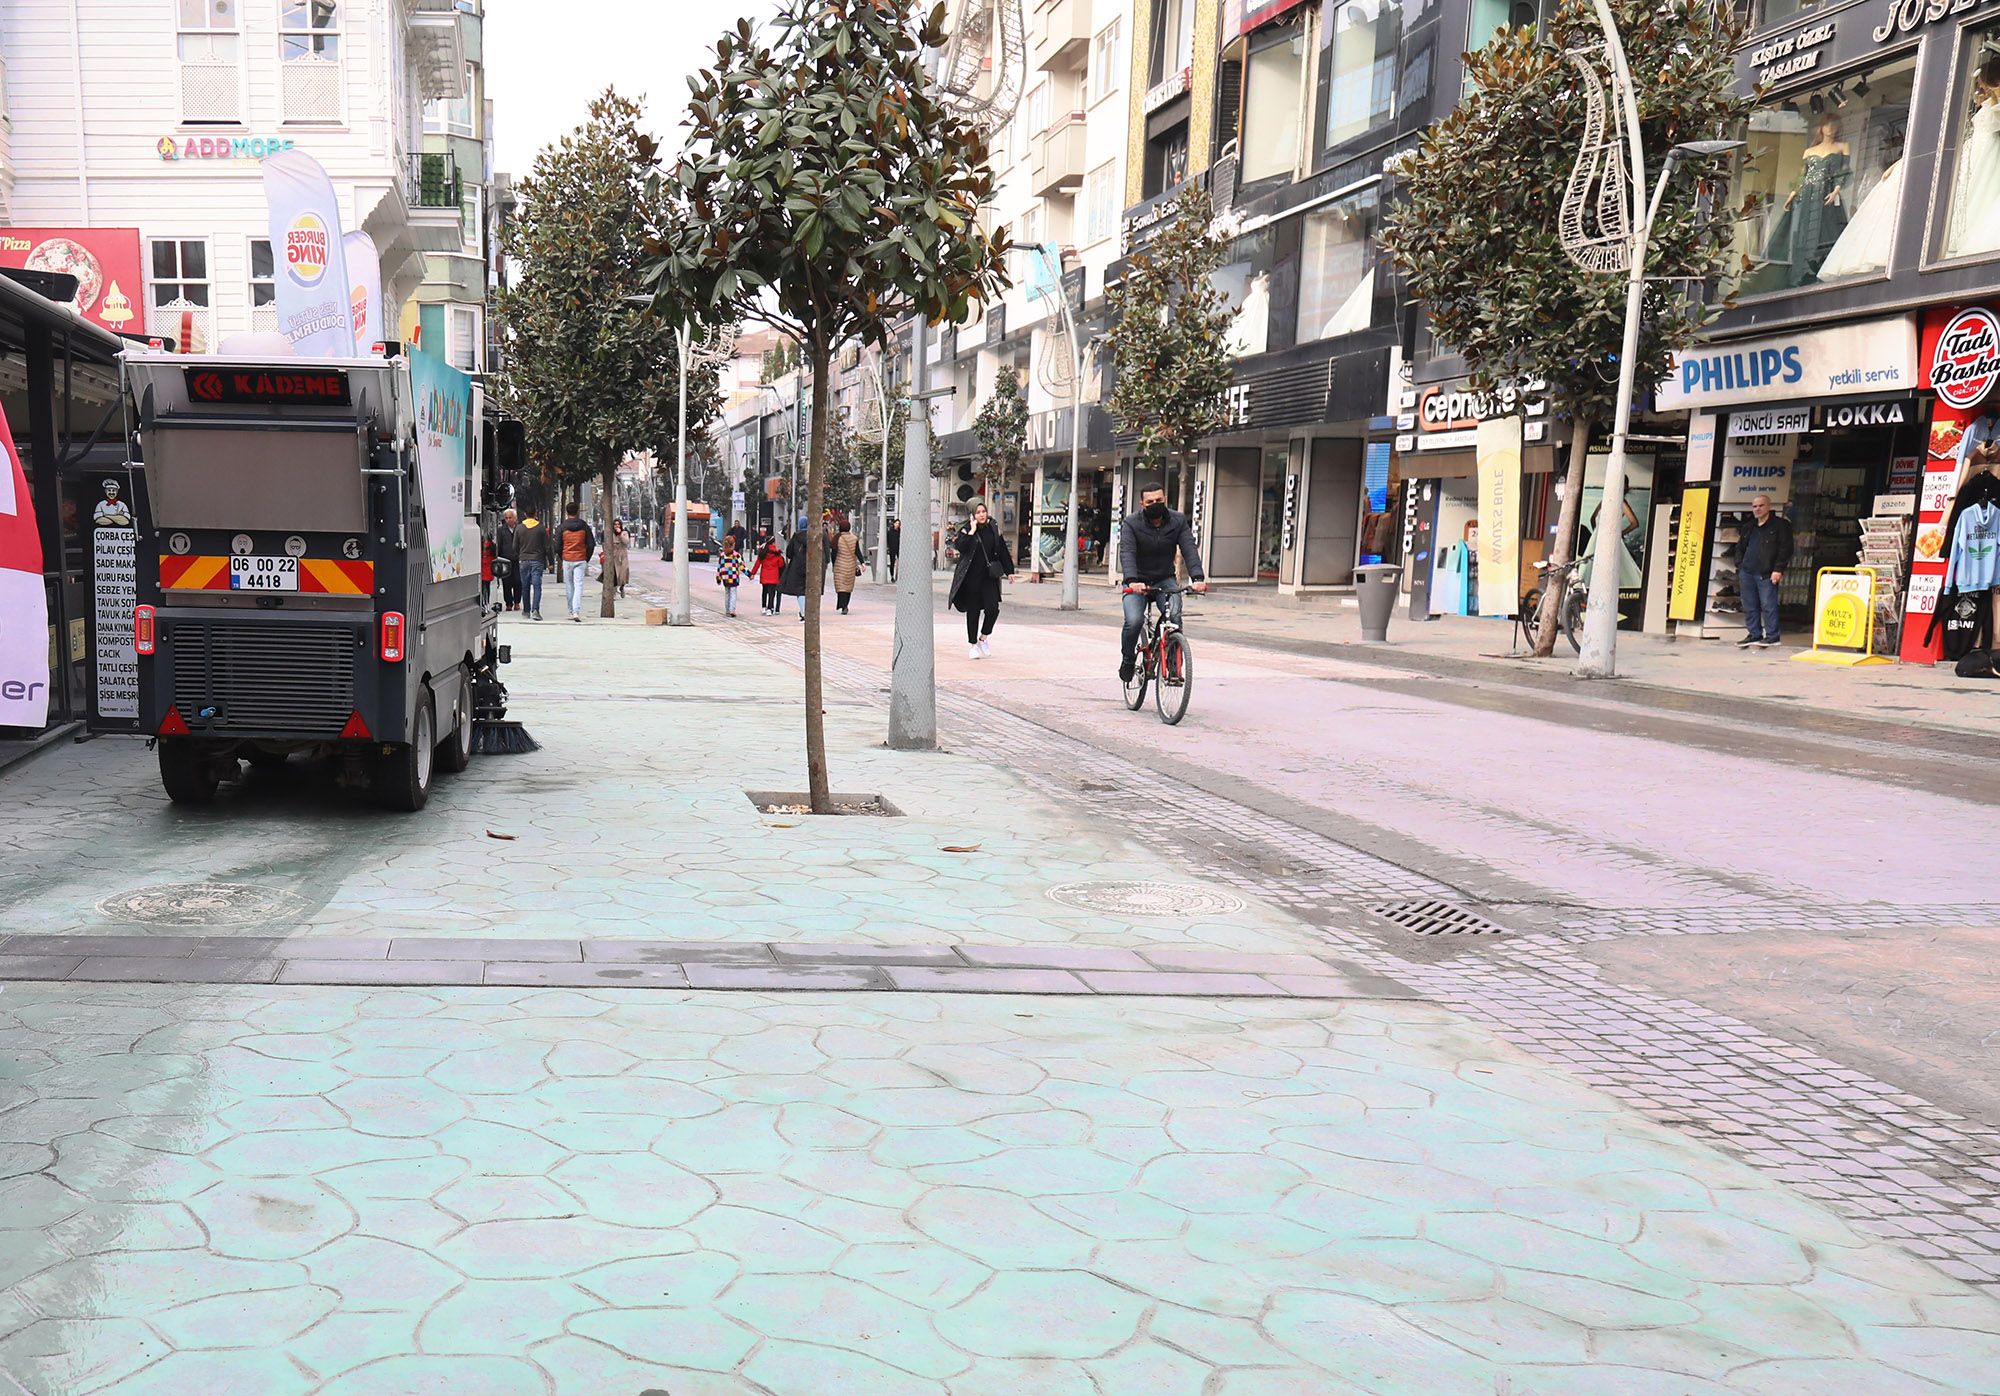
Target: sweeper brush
492	733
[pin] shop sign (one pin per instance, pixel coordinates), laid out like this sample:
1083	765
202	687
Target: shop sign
1903	471
1874	357
1291	507
1447	419
1908	15
996	325
1236	405
1164	91
1498	462
1790	56
1966	363
1690	550
247	148
1791	421
1844	617
1758	465
1239	17
1865	414
104	261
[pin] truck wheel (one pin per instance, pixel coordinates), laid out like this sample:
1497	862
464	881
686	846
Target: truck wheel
188	776
454	753
403	777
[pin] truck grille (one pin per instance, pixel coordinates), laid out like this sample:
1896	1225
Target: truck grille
265	678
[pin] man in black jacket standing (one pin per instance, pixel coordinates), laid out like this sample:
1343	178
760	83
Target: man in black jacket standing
1763	552
507	559
1148	543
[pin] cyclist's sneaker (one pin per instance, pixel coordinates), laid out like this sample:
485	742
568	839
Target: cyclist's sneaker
1126	669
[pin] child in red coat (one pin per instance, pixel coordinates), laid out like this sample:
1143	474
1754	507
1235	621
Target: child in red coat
769	567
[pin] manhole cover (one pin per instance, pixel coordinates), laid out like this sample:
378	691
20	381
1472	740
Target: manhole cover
1436	919
1146	898
202	904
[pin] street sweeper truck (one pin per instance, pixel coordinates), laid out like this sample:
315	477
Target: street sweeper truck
308	566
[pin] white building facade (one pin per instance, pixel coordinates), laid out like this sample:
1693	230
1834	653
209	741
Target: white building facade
154	115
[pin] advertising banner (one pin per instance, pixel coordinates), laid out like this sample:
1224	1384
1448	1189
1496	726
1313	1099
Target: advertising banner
1498	456
310	262
1959	357
114	553
1629	520
1844	617
1690	549
1875	356
444	461
24	602
110	283
364	272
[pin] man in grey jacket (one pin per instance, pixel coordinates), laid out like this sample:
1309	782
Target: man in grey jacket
1148	543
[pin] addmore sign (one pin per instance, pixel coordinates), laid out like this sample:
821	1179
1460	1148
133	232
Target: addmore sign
1875	357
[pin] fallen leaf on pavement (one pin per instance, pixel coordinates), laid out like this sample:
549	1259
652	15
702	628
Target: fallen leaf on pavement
491	835
960	848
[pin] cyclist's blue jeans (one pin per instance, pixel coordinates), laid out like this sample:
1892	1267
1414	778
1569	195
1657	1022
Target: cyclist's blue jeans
1135	619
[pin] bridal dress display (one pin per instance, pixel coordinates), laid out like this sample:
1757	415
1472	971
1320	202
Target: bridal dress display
1812	222
1864	246
1975	212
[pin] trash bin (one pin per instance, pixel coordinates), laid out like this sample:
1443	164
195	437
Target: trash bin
1375	588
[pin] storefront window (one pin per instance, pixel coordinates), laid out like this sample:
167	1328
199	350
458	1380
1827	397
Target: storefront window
1337	269
1489	17
1974	226
1357	67
1245	280
1821	180
1770	12
1273	76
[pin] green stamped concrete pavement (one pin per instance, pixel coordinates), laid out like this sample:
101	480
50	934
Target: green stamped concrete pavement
277	1190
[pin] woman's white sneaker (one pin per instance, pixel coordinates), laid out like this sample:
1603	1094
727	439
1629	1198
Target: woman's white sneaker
974	652
983	649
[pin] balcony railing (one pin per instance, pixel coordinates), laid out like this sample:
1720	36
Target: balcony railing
434	181
1059	153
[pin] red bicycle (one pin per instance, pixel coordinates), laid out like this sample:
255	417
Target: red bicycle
1164	661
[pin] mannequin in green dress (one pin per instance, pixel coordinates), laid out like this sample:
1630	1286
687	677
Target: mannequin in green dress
1815	214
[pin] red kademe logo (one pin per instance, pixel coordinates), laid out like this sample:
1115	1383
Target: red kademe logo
1967	362
306	249
206	386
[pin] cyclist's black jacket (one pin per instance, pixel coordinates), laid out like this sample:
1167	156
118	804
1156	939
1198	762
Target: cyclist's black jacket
1146	553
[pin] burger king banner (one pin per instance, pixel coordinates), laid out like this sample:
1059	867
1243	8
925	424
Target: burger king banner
310	272
24	604
364	271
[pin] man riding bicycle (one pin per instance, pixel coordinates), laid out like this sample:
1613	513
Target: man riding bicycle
1147	544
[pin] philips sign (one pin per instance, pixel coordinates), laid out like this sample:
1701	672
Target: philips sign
1876	356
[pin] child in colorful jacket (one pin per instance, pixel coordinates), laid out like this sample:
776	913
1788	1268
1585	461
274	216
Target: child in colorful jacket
729	574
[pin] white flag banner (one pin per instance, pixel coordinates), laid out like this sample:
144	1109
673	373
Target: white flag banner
364	274
24	603
313	290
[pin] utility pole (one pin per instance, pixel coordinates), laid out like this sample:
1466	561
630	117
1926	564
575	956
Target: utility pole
913	662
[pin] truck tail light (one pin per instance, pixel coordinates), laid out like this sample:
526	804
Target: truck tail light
392	637
142	629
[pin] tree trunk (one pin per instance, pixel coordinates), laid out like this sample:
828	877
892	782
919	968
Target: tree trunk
1572	507
608	478
816	777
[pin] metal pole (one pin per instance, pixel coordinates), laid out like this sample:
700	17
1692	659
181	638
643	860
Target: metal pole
1069	597
882	514
913	663
682	612
1597	656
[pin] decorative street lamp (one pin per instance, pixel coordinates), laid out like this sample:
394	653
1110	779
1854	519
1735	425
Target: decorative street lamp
717	345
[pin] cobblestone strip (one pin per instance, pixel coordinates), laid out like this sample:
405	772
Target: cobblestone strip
585	964
1901	1167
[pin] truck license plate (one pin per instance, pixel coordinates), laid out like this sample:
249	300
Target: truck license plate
264	574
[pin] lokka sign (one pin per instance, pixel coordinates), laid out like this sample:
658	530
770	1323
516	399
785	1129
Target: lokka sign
1965	364
1866	414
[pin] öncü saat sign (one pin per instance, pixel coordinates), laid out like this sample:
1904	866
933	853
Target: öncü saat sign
1874	357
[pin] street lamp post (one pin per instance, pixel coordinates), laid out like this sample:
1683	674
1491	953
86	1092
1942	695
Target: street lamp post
683	608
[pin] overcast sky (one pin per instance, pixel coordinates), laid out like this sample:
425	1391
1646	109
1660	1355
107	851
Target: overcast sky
545	60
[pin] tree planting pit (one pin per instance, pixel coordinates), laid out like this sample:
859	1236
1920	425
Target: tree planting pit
798	803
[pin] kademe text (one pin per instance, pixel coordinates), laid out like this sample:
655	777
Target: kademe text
1715	372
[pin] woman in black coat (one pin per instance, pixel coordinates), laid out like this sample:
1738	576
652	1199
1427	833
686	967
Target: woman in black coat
983	560
793	581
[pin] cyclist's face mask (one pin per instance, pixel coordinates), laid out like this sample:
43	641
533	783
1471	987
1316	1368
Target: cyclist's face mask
1156	512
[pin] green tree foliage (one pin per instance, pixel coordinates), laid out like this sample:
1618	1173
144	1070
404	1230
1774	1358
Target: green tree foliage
591	376
828	191
1476	232
1167	341
1002	429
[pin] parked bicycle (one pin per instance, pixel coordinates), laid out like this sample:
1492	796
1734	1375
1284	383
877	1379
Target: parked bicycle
1564	589
1164	661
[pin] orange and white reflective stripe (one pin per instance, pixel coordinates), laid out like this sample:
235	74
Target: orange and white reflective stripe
331	576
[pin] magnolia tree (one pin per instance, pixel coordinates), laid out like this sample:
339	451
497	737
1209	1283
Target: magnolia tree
591	375
1476	233
1168	341
1002	430
826	190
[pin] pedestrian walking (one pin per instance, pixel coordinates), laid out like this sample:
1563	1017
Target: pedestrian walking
895	545
576	543
1763	552
536	548
740	536
507	559
618	556
983	561
729	573
846	566
793	582
770	569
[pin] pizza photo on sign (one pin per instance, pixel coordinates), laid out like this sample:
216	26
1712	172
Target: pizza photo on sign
70	258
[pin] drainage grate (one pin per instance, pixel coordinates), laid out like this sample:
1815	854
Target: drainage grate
203	904
1146	898
1436	919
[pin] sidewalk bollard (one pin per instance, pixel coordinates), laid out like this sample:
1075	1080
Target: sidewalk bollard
1375	588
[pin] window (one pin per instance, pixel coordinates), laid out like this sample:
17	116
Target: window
1245	282
1026	240
1100	202
1489	17
1107	61
1357	67
1771	12
1173	40
211	77
263	286
1974	226
1038	109
1166	160
180	289
452	114
1820	181
1337	269
461	329
1273	78
309	56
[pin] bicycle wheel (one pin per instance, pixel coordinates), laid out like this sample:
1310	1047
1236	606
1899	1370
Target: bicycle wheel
1142	670
1571	620
1176	677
